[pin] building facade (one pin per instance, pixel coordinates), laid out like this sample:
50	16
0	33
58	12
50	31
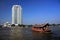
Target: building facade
16	14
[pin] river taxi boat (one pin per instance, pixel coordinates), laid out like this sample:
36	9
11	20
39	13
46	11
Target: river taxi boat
44	28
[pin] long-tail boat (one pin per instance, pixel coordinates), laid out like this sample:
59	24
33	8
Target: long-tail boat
44	28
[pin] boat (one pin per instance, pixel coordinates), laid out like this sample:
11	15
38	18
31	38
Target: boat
44	28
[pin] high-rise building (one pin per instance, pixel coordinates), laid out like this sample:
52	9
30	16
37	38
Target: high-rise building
16	14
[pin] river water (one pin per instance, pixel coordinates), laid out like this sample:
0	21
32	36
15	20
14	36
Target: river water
25	33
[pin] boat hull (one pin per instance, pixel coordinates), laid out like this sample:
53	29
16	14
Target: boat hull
41	30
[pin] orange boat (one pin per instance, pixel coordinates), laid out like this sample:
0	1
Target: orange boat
41	29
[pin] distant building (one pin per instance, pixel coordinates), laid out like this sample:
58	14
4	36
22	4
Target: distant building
7	24
16	14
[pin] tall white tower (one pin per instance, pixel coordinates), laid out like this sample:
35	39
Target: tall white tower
16	14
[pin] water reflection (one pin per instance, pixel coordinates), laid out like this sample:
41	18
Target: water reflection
41	36
16	33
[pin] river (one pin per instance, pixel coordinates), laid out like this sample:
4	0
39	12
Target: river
25	33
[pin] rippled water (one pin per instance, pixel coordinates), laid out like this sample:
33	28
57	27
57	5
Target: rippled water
25	33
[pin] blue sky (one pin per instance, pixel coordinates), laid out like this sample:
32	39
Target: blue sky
34	11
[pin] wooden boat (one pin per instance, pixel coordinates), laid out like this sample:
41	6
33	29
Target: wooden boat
41	29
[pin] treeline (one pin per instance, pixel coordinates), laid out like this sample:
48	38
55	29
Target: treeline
54	24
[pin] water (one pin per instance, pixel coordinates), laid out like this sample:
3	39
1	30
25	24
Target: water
25	33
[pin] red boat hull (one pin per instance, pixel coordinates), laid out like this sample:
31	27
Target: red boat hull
40	29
